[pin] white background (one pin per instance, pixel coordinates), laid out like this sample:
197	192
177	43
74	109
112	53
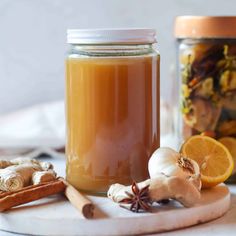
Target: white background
33	39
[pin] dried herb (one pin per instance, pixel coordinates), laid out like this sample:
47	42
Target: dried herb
208	78
139	198
206	66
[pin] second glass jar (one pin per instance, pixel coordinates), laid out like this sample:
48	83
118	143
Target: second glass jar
207	78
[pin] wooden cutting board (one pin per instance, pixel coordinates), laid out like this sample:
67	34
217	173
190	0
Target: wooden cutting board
55	216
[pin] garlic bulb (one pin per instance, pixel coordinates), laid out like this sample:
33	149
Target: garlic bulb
171	163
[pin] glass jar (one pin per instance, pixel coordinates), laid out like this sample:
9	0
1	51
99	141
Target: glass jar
112	106
207	77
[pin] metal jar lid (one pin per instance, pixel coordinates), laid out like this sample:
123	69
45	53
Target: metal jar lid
111	36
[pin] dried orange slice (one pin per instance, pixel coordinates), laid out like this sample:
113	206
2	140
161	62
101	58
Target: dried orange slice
214	159
230	143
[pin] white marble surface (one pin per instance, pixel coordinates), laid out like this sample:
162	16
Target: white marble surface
225	225
55	216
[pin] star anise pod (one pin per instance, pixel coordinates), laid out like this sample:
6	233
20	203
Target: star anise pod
139	198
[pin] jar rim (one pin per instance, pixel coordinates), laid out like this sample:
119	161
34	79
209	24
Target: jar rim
111	36
205	27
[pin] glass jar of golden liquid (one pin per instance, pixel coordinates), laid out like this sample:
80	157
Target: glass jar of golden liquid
112	106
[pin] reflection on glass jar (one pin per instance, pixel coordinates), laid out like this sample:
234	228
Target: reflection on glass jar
112	107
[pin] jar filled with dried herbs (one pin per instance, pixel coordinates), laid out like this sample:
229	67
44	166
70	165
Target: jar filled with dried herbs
207	78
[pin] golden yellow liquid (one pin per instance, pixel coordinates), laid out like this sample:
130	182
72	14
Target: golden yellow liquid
112	120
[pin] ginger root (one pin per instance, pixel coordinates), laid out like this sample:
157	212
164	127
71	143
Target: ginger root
10	181
4	164
172	176
161	187
23	160
43	176
22	172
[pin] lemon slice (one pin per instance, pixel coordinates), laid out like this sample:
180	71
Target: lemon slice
230	143
214	159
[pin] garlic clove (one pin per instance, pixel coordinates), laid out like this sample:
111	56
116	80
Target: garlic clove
163	160
171	163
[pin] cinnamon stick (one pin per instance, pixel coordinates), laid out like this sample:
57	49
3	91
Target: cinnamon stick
7	193
35	192
29	194
78	200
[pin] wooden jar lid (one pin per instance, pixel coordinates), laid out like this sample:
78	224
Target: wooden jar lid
205	27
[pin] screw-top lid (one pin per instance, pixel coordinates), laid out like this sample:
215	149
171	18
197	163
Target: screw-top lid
111	36
205	27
